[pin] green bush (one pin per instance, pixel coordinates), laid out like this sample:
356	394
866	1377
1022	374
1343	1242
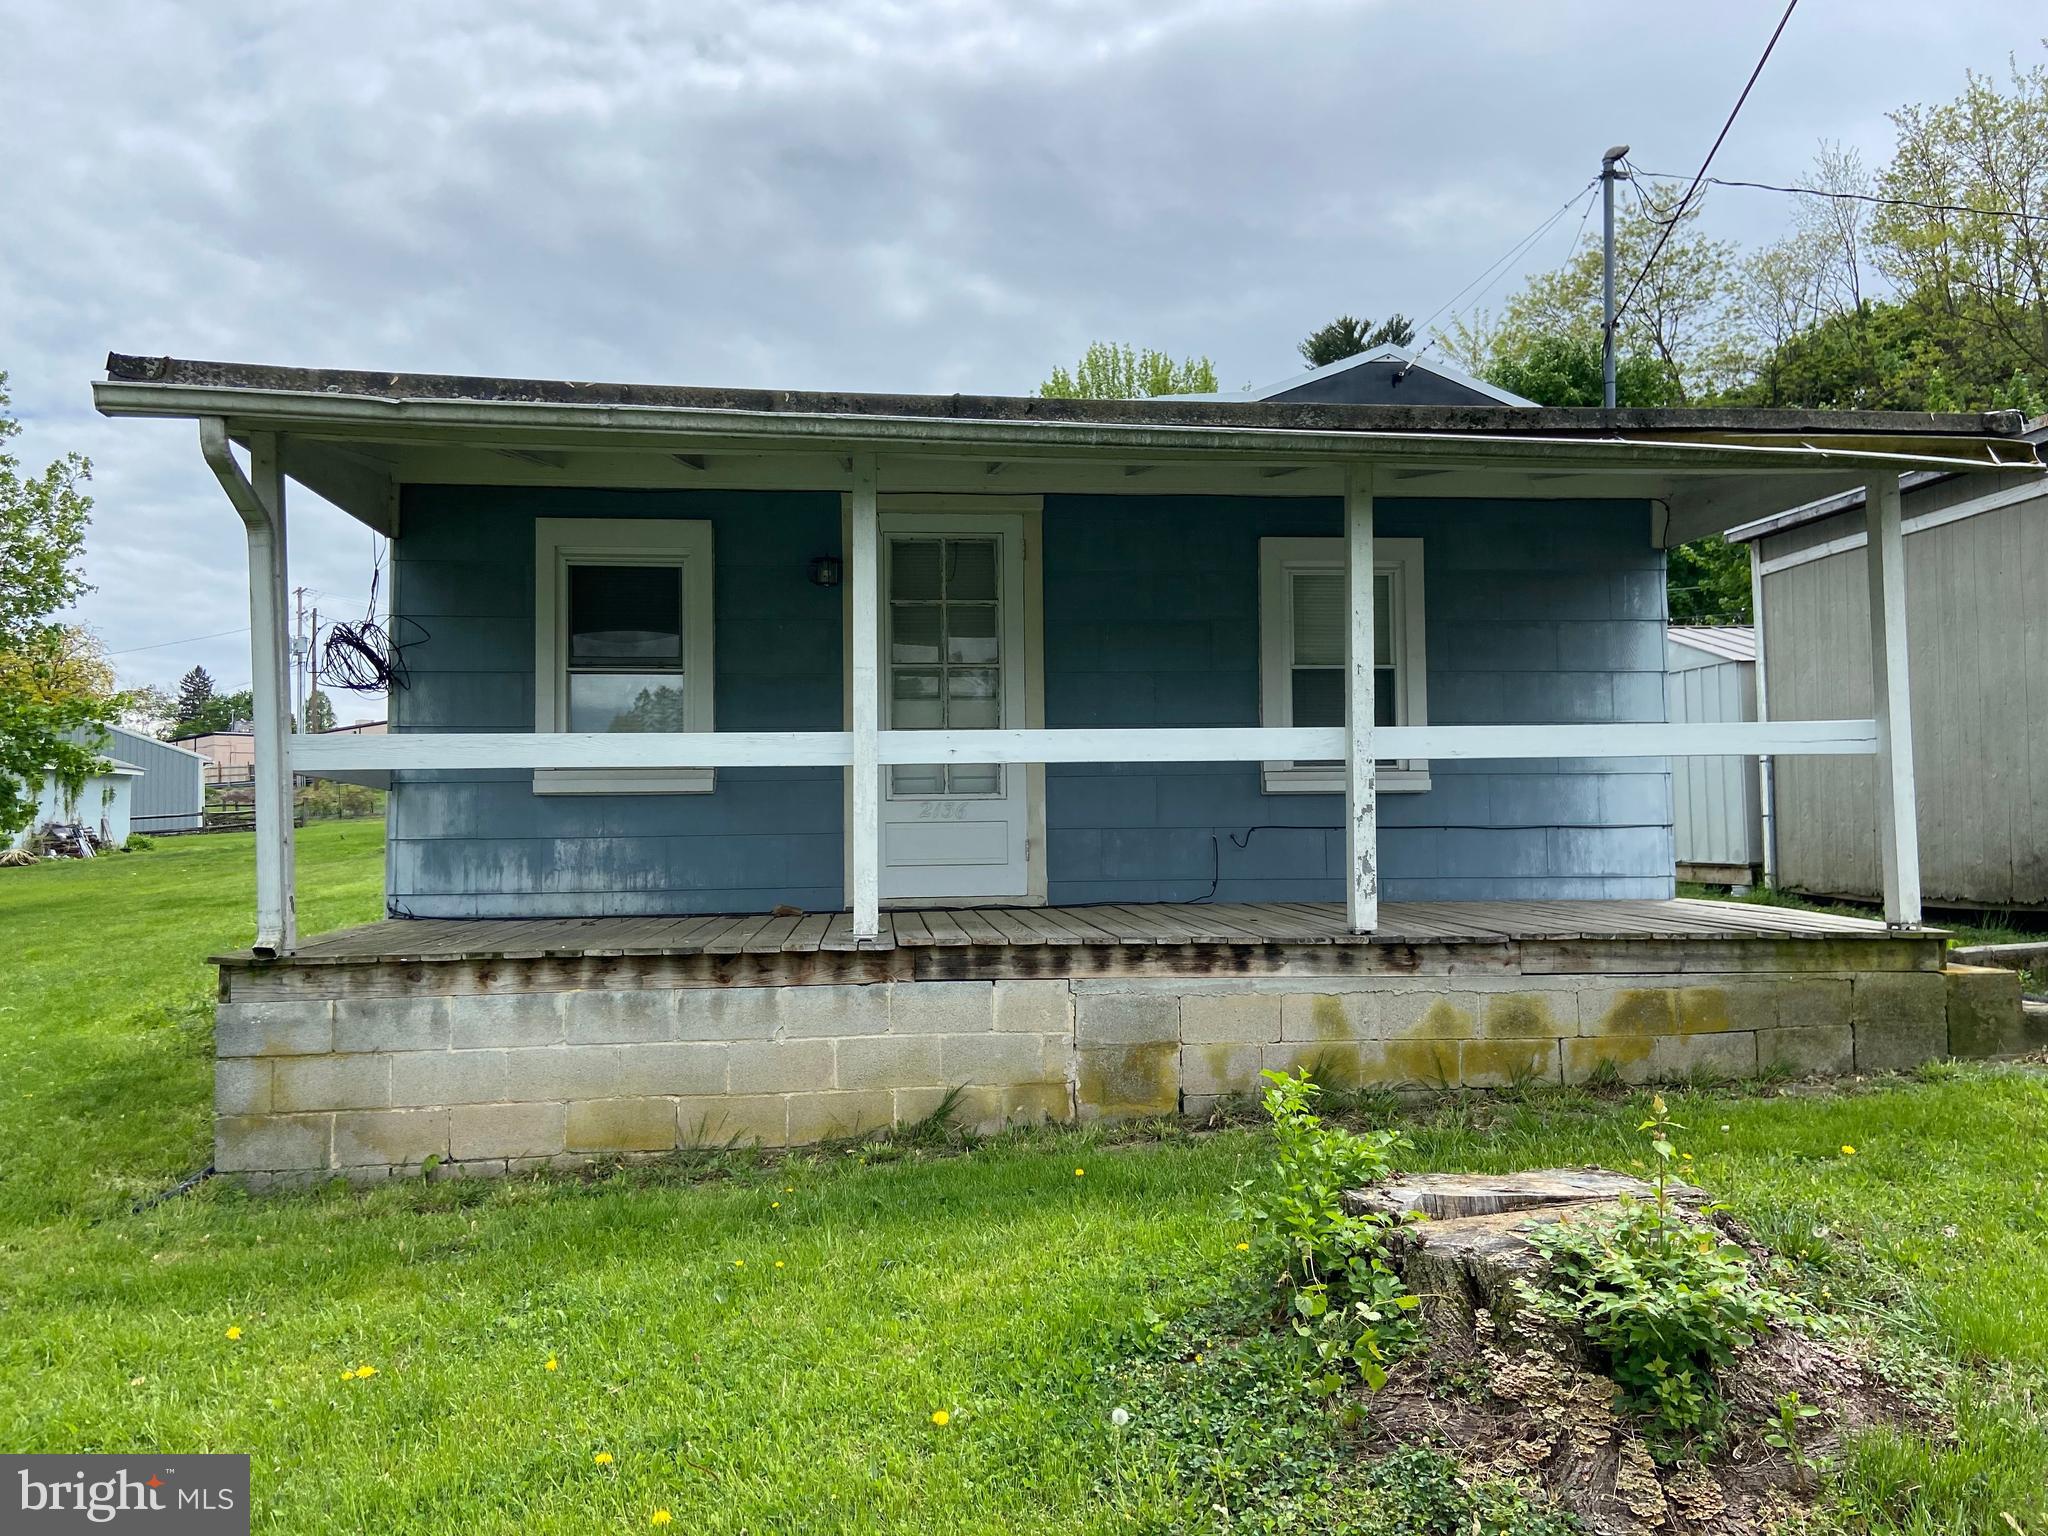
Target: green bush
139	842
1666	1301
1342	1297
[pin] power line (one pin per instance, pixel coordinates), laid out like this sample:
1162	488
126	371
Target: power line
1693	190
1511	253
219	634
1853	197
1498	267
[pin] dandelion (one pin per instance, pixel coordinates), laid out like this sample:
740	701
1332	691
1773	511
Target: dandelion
603	1458
778	1263
1119	1417
234	1332
1847	1150
660	1517
553	1364
941	1418
774	1205
1078	1172
739	1263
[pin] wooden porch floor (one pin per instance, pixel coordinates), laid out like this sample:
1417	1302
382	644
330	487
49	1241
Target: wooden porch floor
1233	924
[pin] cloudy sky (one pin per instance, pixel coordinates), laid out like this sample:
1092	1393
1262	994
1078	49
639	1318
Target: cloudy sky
861	194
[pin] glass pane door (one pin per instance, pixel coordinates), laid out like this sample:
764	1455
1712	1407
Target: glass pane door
944	654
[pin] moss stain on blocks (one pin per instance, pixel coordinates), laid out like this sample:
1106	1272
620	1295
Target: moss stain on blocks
485	1082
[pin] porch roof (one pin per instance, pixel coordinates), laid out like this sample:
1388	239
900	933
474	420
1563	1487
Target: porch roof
354	437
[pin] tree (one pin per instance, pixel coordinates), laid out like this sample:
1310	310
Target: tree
1565	370
1681	314
1347	336
151	711
1109	371
54	680
195	692
319	712
1707	582
1981	276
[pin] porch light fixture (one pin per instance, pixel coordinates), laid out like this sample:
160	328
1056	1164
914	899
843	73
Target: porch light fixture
825	570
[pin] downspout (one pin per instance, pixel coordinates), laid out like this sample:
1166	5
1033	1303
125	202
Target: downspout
274	925
1766	766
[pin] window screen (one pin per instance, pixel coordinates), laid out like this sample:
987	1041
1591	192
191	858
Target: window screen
625	654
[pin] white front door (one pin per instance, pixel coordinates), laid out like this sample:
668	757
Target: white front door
953	657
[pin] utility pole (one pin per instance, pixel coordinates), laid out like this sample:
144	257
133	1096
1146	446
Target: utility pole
1609	175
299	651
312	672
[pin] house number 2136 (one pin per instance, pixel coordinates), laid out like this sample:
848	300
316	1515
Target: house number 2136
941	810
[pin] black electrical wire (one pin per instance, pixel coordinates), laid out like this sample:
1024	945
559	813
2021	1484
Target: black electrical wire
1692	191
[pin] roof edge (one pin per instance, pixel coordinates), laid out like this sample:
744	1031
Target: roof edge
2035	431
1161	412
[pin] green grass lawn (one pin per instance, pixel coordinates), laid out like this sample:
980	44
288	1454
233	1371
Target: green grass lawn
759	1345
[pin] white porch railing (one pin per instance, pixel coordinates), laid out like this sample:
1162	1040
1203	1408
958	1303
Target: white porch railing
365	756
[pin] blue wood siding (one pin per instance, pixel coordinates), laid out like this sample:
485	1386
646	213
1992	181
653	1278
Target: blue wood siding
485	845
1536	612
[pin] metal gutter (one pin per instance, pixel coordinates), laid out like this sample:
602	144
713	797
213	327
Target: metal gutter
2036	432
670	425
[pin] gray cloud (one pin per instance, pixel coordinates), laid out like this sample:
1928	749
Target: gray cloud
866	194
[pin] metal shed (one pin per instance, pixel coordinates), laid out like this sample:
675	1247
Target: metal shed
171	794
1710	677
1976	571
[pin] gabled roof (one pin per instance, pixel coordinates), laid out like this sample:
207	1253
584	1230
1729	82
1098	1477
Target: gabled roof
1735	642
1377	376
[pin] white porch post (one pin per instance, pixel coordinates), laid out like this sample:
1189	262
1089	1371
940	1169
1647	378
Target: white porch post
1891	700
865	832
1361	812
259	498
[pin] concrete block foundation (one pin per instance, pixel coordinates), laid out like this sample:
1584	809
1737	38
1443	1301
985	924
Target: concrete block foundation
487	1081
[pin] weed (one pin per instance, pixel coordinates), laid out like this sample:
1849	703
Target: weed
1787	1435
1667	1302
1344	1301
1604	1078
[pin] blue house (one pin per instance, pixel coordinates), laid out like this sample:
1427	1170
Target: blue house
771	764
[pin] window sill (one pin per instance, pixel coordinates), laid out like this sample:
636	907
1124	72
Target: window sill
624	781
1285	779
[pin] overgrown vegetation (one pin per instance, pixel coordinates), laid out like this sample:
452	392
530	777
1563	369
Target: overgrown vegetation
1667	1301
1342	1299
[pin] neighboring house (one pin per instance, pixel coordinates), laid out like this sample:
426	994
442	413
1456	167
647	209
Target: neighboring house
360	728
1976	567
230	754
171	794
101	804
772	763
1384	375
1717	814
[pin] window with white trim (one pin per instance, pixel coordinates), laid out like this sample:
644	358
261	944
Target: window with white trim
622	642
1302	623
